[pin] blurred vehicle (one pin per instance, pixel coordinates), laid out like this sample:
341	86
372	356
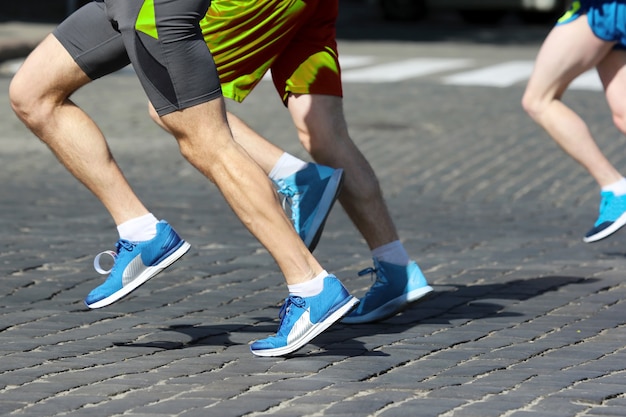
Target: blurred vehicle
476	11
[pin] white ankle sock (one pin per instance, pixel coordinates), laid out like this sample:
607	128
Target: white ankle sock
617	188
309	288
138	229
285	166
393	253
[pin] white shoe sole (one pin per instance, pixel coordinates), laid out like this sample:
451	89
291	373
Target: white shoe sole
314	331
617	224
142	278
391	307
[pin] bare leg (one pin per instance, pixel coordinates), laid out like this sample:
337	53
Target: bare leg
264	153
205	140
568	51
612	71
45	108
73	137
324	134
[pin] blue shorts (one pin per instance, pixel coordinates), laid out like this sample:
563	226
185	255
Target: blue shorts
607	18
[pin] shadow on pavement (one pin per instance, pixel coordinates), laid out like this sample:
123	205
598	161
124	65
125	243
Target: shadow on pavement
462	302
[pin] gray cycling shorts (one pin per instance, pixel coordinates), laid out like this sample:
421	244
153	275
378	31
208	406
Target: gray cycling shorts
161	38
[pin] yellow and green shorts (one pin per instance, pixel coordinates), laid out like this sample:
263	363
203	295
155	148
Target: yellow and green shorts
295	39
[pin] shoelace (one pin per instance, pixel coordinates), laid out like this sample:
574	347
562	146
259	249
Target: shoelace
379	279
292	300
288	202
119	245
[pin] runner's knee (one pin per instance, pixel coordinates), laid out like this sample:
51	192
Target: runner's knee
619	119
32	105
532	104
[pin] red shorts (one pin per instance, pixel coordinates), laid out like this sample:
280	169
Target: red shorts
293	38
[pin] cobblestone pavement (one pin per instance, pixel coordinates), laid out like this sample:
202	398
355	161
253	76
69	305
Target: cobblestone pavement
526	319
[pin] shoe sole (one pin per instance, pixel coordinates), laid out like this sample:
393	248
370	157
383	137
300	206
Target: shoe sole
325	205
148	273
617	224
391	307
314	331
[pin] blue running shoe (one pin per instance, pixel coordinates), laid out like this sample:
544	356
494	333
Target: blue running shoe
394	289
309	194
612	217
303	318
135	263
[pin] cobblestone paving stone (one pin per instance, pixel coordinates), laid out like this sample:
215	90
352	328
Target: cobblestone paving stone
526	320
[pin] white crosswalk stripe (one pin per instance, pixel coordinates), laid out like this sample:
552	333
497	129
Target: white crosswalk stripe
504	74
500	75
353	61
587	81
446	71
10	67
402	70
